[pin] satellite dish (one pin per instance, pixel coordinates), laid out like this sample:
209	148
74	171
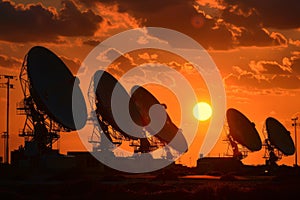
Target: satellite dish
51	87
243	130
48	87
106	84
103	86
144	100
279	136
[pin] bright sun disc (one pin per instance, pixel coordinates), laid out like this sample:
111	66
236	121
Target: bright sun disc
202	111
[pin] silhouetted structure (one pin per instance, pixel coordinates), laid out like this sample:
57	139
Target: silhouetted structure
107	132
241	133
8	86
278	141
48	86
295	124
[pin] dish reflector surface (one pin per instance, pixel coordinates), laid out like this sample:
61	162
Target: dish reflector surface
243	130
144	100
279	136
52	85
106	84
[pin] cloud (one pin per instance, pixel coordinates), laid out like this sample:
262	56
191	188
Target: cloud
286	81
296	64
248	79
215	24
87	3
238	99
294	42
251	30
233	90
264	75
271	67
179	15
148	57
10	62
259	37
73	64
91	42
35	22
219	24
267	74
279	38
175	65
270	13
114	21
120	63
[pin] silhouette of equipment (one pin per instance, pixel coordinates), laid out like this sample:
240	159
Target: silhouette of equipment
277	142
100	96
47	86
144	100
242	132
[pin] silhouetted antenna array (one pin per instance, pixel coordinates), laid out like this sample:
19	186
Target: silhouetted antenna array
100	97
48	87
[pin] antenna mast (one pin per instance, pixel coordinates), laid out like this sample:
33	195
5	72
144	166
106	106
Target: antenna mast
295	128
8	86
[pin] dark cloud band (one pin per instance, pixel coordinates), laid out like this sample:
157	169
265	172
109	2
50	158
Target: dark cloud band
38	23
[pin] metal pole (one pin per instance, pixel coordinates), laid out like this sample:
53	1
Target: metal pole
296	159
7	124
6	134
295	128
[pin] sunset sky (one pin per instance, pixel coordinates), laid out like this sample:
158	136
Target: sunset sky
255	44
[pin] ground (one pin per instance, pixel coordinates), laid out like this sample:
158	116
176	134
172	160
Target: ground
78	184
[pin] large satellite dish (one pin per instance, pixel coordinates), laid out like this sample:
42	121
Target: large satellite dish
278	141
52	85
104	91
279	136
144	100
242	131
48	87
103	86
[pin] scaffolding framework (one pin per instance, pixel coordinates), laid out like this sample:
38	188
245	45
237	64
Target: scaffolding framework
38	126
103	129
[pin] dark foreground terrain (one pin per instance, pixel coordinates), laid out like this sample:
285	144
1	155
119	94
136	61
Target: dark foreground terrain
77	184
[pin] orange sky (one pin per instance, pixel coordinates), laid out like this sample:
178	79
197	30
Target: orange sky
255	45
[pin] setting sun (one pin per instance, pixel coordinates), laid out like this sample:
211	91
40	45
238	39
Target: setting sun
202	111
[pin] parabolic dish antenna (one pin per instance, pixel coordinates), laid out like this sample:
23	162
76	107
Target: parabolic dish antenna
106	84
144	100
51	87
242	130
279	136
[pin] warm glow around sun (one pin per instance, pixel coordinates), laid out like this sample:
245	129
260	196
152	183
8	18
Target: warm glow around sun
202	111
